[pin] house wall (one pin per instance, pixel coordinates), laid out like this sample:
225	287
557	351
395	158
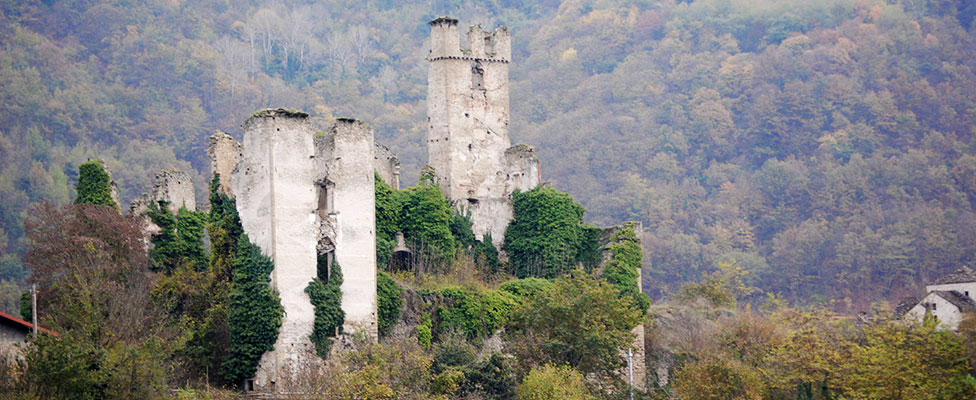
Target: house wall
968	288
948	314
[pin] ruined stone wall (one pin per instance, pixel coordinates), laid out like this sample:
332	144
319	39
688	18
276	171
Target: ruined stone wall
638	347
176	188
468	115
275	192
300	194
349	172
387	166
224	154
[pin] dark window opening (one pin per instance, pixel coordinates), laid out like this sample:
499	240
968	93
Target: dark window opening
249	385
469	147
477	76
473	201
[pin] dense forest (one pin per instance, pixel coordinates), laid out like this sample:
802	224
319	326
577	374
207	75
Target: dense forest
827	147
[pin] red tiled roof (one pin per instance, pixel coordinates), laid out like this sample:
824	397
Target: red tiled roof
26	324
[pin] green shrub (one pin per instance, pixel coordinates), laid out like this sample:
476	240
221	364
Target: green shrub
388	302
477	313
526	288
425	331
553	382
425	219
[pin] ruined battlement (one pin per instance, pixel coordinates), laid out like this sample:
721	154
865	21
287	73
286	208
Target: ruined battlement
483	46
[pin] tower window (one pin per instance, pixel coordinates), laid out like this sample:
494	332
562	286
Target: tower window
477	76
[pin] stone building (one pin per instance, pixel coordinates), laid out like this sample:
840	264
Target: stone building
468	114
946	299
301	194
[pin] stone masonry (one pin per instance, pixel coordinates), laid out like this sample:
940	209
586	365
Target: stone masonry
468	115
300	194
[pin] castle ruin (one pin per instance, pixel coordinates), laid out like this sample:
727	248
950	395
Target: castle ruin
301	194
468	114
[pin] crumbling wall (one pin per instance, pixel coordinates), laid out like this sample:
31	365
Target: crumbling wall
387	166
468	114
276	199
349	172
638	347
300	194
224	154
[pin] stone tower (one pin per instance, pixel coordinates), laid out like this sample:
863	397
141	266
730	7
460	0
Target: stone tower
301	194
468	114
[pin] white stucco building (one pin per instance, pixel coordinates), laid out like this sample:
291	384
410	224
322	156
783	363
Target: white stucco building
947	299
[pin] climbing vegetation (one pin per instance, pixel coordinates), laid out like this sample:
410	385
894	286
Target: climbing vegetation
254	313
387	219
623	268
94	185
547	237
325	292
388	302
179	240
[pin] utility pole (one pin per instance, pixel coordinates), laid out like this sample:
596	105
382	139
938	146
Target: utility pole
630	370
34	308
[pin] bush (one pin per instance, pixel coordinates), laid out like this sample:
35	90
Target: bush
477	313
553	382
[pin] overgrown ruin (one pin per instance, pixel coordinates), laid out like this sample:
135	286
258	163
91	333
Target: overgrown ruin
468	114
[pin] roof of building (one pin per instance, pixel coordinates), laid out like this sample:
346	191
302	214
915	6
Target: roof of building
906	305
961	275
963	302
27	325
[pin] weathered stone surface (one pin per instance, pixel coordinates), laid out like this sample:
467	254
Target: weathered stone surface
224	154
468	113
276	200
300	194
387	166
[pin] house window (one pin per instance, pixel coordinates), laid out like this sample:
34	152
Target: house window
249	385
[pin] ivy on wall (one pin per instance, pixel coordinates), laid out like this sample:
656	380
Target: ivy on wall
547	237
326	295
179	240
94	185
388	302
254	315
623	268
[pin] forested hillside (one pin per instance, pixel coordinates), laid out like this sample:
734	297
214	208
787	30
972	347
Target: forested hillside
827	148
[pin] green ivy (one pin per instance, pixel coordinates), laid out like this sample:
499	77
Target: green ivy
623	268
388	302
179	240
387	220
547	236
94	185
326	296
255	312
425	219
477	313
